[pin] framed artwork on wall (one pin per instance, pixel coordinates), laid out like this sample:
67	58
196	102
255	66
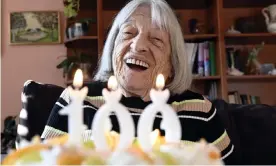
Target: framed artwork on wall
35	27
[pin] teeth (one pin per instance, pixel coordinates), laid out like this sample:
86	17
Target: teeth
137	62
145	64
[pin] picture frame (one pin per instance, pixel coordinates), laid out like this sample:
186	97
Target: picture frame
34	27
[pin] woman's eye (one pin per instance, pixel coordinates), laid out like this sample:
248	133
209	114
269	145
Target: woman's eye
128	33
157	41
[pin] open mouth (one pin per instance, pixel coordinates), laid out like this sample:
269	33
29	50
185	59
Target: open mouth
136	64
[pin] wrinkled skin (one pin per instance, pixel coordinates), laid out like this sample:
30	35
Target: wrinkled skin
140	39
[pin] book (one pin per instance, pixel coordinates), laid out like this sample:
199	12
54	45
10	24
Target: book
195	51
258	100
195	59
212	58
249	99
235	98
200	70
189	51
244	98
206	59
253	99
231	99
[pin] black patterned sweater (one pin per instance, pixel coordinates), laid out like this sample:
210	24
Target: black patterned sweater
197	116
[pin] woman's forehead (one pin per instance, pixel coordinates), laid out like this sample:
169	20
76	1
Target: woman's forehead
143	9
143	14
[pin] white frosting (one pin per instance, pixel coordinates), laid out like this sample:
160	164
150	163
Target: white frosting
183	156
125	158
23	143
49	157
195	154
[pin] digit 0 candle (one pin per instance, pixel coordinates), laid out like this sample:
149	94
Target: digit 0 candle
112	98
170	121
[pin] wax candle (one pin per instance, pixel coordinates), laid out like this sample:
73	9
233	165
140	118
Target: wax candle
170	121
100	123
74	110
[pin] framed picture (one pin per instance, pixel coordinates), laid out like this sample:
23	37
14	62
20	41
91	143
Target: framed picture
35	27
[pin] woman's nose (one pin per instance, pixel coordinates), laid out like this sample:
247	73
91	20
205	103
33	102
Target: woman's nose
139	44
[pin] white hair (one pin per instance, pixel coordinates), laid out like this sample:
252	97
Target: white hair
165	18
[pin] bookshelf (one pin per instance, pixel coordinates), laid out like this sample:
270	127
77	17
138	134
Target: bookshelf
200	36
216	16
251	35
207	78
252	78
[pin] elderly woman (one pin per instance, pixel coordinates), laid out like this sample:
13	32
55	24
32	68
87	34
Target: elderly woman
146	40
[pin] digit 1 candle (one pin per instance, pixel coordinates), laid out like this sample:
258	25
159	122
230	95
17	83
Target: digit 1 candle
74	110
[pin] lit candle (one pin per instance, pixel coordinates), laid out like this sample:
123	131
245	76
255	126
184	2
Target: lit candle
74	110
170	121
100	121
78	79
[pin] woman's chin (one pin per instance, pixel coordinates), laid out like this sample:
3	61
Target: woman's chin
136	88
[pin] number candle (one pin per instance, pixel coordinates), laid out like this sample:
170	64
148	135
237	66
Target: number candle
75	110
170	121
126	123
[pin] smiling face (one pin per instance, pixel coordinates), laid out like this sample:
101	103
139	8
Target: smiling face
142	50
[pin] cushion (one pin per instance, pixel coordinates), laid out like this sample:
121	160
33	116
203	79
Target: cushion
37	101
252	129
256	127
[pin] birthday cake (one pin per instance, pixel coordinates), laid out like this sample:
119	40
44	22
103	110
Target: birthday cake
56	151
107	147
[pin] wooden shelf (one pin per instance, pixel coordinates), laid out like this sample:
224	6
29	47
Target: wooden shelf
80	41
199	36
252	77
251	35
82	38
184	4
207	78
88	5
246	3
250	38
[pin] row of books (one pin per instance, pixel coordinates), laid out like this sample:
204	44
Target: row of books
235	98
213	91
202	58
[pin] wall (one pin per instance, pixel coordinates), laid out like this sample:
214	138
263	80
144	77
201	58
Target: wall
21	63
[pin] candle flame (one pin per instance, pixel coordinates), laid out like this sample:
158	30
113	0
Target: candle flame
112	83
160	82
78	79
